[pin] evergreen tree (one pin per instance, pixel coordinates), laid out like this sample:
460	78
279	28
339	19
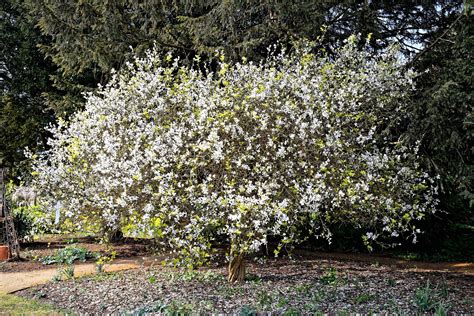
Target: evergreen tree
89	38
443	118
24	77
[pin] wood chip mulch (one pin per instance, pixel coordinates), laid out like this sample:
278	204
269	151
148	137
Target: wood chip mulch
279	286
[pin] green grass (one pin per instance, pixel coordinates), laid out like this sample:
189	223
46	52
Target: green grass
15	305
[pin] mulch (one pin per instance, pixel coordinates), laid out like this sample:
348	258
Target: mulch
305	284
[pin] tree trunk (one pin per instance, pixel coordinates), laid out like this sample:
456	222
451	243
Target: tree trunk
237	269
115	235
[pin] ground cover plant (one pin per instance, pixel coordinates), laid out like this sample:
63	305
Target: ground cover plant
243	153
68	255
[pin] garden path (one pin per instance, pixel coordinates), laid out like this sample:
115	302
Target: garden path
466	268
14	281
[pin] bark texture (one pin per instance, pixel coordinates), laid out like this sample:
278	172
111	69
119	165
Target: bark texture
237	269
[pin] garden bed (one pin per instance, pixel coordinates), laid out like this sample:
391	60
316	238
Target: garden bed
305	285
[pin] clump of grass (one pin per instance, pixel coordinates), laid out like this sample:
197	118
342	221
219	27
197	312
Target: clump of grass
431	299
64	273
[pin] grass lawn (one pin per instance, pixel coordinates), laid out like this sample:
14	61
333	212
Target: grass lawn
14	305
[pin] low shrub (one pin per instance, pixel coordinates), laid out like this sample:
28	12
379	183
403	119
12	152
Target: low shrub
68	255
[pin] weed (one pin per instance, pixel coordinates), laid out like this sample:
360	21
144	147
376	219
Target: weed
152	278
64	273
72	241
206	305
363	298
291	311
429	299
376	264
313	304
441	310
68	272
254	279
172	308
158	307
227	291
39	294
102	260
264	300
179	308
391	282
303	288
330	277
282	301
247	310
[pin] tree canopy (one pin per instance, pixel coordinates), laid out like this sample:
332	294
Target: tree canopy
252	151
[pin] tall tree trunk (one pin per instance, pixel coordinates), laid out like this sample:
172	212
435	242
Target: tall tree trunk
237	269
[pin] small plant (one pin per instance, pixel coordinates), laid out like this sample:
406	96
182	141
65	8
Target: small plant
172	308
248	311
291	311
64	273
67	255
254	279
391	282
313	305
152	278
228	291
330	277
363	298
68	272
179	308
158	307
303	288
441	310
264	299
282	301
39	294
103	260
429	299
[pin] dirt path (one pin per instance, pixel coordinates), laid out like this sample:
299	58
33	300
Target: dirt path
14	281
466	268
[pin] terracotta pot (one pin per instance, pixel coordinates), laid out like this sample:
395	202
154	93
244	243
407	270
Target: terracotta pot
4	252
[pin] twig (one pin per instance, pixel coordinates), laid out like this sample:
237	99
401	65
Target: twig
426	49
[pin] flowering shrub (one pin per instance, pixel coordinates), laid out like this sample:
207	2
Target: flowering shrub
249	151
